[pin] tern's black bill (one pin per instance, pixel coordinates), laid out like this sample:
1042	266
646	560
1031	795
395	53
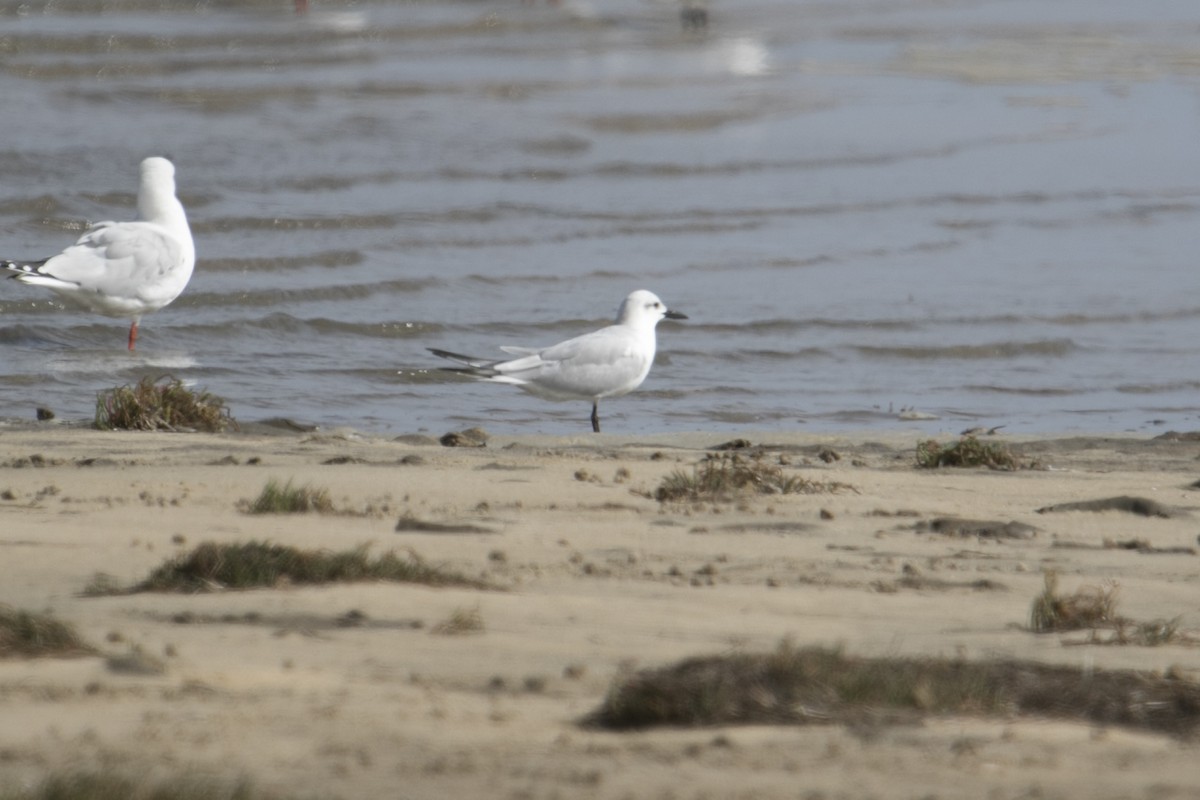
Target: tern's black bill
675	315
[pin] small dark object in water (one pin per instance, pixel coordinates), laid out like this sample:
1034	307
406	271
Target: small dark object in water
44	414
693	16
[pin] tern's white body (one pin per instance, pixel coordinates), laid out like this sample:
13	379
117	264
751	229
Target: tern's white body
124	269
609	362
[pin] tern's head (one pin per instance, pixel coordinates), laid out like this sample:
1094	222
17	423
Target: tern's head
644	309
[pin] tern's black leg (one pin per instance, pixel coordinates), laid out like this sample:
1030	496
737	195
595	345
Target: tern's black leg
595	418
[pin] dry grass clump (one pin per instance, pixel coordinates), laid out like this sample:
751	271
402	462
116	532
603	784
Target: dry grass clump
97	785
462	621
102	584
28	634
1088	607
815	685
726	476
966	452
288	499
162	404
215	566
1094	608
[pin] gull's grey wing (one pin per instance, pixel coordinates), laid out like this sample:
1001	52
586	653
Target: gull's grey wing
135	260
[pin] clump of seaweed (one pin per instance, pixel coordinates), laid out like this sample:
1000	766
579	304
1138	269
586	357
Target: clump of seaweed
30	634
726	476
215	566
1094	608
817	685
289	499
162	404
966	452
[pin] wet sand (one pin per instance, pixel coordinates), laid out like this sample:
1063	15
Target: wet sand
350	690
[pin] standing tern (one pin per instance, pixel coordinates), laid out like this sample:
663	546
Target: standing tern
609	362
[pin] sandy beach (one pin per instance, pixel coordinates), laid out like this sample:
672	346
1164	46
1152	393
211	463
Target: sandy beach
364	690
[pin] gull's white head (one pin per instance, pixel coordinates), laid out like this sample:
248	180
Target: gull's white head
157	201
157	191
643	309
158	170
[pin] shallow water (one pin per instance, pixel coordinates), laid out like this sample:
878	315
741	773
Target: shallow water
986	211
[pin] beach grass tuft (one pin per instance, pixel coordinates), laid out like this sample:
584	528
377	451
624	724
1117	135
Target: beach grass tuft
30	634
289	499
113	785
824	686
216	566
162	404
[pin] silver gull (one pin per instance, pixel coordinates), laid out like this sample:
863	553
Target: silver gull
124	269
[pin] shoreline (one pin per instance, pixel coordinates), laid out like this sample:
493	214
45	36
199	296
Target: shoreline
595	577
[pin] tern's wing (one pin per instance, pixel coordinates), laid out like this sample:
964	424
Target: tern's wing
520	351
607	362
602	348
